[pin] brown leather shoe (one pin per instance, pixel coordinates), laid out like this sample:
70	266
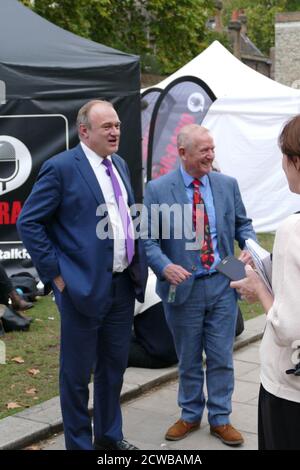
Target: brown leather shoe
228	434
181	429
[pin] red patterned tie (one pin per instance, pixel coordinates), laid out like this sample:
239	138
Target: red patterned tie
206	250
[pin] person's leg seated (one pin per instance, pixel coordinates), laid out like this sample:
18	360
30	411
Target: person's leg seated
139	357
7	292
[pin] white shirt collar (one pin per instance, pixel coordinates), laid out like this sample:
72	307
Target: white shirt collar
94	159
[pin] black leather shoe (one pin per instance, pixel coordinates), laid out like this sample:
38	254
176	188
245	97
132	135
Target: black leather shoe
114	445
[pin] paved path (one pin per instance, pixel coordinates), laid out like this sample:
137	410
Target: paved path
147	418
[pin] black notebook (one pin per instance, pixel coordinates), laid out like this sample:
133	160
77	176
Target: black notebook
232	268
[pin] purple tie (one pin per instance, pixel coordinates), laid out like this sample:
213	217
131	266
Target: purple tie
129	240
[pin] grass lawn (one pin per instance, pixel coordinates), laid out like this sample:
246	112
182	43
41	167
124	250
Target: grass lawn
266	240
35	380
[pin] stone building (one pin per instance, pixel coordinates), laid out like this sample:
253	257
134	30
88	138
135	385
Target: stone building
287	50
242	46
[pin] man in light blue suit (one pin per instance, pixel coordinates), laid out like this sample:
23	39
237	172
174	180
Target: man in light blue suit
93	274
200	308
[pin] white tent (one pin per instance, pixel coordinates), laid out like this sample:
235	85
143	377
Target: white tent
245	122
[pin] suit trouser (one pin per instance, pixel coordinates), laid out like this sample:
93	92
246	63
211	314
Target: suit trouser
205	321
98	344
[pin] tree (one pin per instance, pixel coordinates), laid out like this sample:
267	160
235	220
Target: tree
72	15
165	32
177	30
292	5
260	18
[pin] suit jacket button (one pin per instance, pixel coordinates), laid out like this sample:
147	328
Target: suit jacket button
194	268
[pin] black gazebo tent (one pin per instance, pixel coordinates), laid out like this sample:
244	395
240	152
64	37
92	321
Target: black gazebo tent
46	74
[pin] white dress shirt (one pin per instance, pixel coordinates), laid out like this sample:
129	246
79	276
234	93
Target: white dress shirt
120	257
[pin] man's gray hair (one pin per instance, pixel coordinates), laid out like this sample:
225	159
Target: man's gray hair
83	113
185	135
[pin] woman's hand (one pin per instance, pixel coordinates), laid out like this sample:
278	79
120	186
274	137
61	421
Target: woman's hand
250	286
245	257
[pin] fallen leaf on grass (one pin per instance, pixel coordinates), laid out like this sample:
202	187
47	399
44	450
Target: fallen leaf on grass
18	360
13	405
31	391
33	371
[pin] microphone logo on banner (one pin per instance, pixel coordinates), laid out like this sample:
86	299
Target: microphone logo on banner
15	163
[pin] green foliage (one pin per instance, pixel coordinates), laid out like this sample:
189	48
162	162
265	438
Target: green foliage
266	240
39	349
165	33
260	18
292	5
177	30
211	36
120	26
69	14
264	35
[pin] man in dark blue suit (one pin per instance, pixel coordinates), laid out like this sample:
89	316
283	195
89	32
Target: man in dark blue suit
96	274
200	309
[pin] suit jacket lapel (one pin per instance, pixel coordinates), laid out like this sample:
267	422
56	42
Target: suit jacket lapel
180	196
88	174
218	198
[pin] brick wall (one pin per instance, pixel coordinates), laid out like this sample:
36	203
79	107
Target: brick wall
287	49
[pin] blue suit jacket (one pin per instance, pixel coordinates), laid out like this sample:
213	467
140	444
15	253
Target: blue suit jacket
58	227
232	223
